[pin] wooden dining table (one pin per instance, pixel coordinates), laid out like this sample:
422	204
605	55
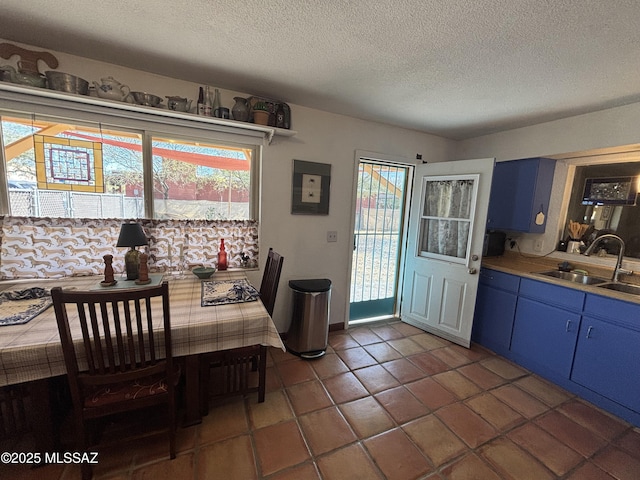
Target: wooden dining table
32	352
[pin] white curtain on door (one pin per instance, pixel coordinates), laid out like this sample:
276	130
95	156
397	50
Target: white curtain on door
450	202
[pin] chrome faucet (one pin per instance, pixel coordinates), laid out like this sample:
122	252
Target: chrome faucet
618	270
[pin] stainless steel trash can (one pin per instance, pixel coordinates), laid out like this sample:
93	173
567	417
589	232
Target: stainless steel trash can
309	330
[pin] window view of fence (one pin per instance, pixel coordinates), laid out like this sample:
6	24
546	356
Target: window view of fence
44	203
378	230
68	170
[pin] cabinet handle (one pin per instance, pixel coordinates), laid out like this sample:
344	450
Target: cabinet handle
568	323
589	332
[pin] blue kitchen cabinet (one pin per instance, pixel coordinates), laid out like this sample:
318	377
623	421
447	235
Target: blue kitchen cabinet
545	328
584	342
495	309
606	360
519	191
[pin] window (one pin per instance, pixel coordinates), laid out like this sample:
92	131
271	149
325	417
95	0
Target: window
612	211
68	170
83	170
201	180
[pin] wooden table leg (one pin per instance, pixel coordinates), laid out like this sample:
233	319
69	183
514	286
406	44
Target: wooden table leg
192	391
262	373
41	398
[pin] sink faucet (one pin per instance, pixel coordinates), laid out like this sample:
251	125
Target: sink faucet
618	270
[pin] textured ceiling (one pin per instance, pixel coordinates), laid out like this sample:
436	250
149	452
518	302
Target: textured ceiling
454	68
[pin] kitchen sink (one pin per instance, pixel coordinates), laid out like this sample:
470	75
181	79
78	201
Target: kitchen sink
574	277
622	287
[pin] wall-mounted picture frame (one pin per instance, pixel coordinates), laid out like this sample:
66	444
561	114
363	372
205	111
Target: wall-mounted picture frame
310	188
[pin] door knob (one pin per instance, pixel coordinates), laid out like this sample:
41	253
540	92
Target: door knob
473	270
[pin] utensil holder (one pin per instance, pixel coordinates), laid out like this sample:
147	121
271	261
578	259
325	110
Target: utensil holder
574	246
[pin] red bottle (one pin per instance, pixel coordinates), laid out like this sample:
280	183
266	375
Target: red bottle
222	256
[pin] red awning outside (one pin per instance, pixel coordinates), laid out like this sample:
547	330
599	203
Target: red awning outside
213	161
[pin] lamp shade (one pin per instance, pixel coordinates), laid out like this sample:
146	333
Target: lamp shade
131	235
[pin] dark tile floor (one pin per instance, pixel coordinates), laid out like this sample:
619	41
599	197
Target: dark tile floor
387	401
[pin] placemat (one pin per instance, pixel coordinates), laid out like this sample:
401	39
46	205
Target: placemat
223	292
19	306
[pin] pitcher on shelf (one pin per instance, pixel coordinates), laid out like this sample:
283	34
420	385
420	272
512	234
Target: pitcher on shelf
241	109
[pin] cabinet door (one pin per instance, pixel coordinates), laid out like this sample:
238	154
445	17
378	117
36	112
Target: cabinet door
607	361
520	190
493	319
544	337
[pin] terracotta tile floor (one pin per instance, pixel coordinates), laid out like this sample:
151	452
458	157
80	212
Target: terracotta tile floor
387	401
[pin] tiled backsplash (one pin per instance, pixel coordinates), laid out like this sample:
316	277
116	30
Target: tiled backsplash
35	247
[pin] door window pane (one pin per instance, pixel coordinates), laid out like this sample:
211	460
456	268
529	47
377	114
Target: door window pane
448	198
446	217
445	237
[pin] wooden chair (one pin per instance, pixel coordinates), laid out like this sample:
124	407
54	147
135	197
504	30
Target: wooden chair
232	369
14	418
117	358
270	280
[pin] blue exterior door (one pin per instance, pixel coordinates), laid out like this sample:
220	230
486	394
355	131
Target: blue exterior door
378	233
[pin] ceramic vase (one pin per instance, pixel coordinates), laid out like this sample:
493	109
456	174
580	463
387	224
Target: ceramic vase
240	109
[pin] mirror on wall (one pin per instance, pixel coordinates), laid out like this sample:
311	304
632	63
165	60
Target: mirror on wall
605	196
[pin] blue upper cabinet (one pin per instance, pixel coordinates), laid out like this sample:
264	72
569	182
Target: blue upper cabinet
520	190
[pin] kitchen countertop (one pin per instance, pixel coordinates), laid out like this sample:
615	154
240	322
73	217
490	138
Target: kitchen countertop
527	265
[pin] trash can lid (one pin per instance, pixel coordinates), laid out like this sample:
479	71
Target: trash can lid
311	285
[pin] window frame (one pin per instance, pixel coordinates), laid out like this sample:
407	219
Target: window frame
611	159
134	119
147	160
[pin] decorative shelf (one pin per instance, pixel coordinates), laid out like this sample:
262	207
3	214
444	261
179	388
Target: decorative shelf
11	95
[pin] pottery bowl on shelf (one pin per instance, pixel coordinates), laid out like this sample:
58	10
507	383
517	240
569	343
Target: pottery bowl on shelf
65	82
203	272
147	99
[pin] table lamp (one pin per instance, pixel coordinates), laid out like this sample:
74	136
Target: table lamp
131	235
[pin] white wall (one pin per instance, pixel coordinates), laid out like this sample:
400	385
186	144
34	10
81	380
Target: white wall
603	129
326	138
322	137
606	129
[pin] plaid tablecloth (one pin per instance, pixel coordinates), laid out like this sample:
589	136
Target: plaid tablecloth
33	351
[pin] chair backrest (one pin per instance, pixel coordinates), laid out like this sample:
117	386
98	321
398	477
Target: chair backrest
14	419
270	280
109	336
